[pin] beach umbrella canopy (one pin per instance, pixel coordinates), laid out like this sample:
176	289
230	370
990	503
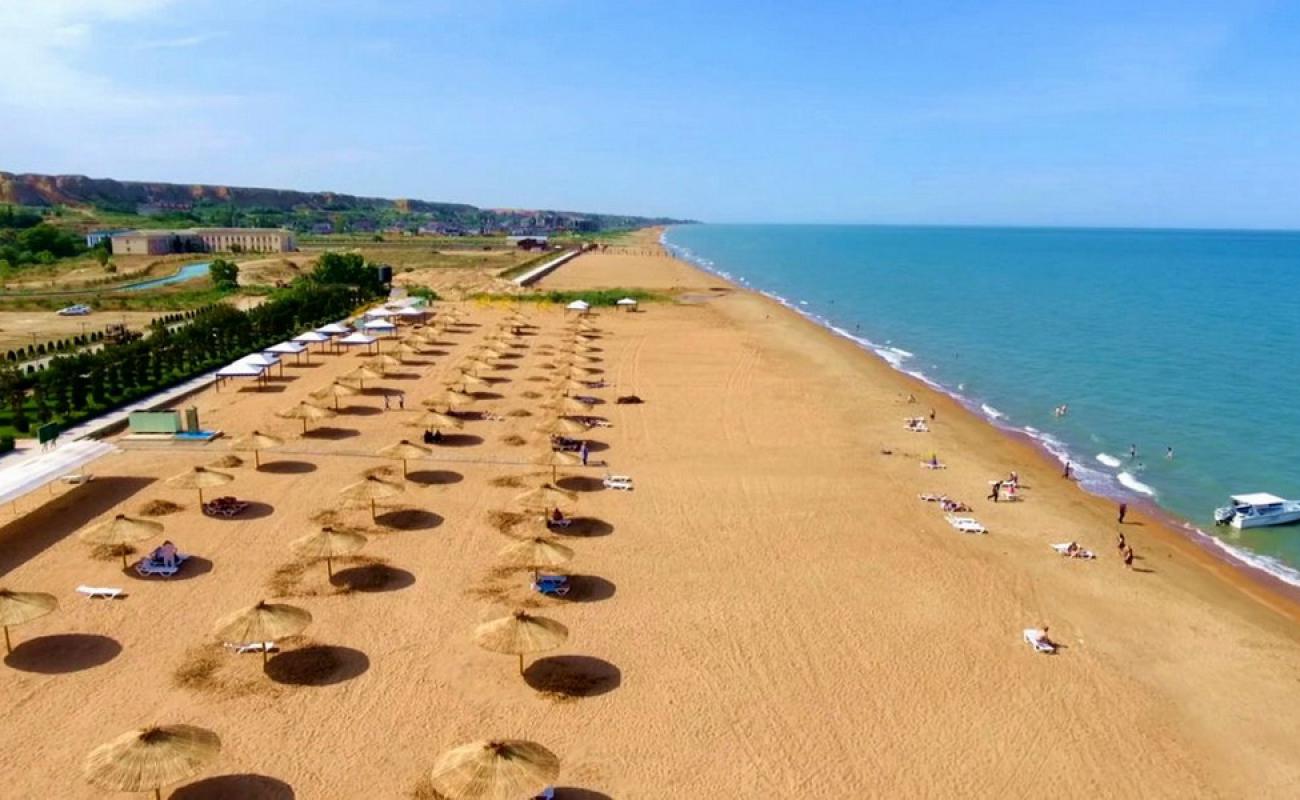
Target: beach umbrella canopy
564	425
385	362
370	489
519	634
535	553
476	364
257	442
307	412
406	350
627	301
334	329
328	543
200	478
488	353
379	313
121	531
19	607
436	419
545	496
264	622
406	450
466	379
311	337
505	769
148	759
334	391
571	405
578	305
560	458
451	398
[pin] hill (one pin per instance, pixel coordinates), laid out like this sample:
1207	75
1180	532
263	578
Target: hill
241	205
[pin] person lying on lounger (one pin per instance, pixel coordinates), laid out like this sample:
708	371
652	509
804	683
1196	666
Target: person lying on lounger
166	554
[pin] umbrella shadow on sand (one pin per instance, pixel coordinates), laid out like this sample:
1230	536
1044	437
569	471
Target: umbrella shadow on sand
574	793
589	589
460	440
569	677
62	653
434	477
409	519
245	787
581	483
192	567
331	433
284	467
372	578
317	665
588	527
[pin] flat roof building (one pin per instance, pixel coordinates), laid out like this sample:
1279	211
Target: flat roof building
203	240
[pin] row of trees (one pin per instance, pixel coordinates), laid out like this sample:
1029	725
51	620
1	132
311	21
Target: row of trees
76	387
78	341
39	244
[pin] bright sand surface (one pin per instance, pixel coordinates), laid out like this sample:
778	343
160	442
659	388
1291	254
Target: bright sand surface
772	611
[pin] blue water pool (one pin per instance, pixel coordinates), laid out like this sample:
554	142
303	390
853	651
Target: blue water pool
185	273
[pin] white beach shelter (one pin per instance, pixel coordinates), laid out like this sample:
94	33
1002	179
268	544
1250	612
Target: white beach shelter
28	473
582	307
354	339
411	312
263	360
377	313
627	303
288	348
240	369
334	329
382	326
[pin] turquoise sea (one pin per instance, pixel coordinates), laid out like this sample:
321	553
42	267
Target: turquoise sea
1154	339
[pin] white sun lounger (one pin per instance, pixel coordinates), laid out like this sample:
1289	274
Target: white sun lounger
1063	549
253	647
106	592
1038	640
966	524
618	482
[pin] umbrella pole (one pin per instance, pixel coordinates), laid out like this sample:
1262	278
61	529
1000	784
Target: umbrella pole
264	655
304	425
554	472
123	556
8	648
521	663
257	459
403	468
329	567
157	793
200	497
372	510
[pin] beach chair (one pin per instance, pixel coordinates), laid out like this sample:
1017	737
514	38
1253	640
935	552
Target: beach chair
253	647
149	566
966	524
1038	640
558	523
105	592
552	585
933	465
618	482
1064	549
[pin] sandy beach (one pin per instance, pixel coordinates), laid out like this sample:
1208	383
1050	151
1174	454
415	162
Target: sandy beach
772	610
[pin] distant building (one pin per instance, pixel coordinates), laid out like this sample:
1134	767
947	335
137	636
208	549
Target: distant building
95	237
203	240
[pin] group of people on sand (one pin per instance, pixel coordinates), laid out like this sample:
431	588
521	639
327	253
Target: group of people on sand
401	401
432	437
1125	550
1008	486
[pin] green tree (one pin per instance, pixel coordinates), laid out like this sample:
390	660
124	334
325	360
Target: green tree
225	274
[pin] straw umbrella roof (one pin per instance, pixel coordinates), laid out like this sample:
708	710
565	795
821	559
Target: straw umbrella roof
19	607
404	449
200	478
477	364
536	552
306	411
545	496
468	379
368	371
489	353
147	759
371	488
264	622
327	542
563	425
448	399
385	361
520	633
505	769
256	440
436	419
121	530
569	405
336	390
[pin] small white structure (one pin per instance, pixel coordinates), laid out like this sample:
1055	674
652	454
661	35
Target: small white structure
627	303
379	313
357	339
411	314
334	329
263	360
581	306
295	349
380	326
240	369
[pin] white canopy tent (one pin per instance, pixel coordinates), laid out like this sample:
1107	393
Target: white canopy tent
411	312
581	306
627	303
334	329
264	360
378	313
28	474
354	339
381	326
241	369
295	349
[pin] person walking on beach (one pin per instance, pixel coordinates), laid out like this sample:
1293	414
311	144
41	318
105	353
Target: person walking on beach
932	415
386	405
1119	541
993	495
401	401
1123	509
1128	558
1065	473
584	454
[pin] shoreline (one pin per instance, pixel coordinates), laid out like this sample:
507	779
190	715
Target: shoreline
1255	581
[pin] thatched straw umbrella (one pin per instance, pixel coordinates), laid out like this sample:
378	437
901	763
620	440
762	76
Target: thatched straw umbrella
568	405
200	478
545	496
148	759
476	365
385	362
505	769
370	489
264	622
519	634
257	442
563	425
334	391
449	398
535	553
305	412
120	532
361	374
436	419
559	458
405	351
468	379
329	544
406	449
488	354
19	607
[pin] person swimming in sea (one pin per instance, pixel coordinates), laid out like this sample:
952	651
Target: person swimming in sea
1132	451
1169	453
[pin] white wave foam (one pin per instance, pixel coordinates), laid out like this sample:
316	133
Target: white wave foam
1250	558
1108	459
991	412
1135	485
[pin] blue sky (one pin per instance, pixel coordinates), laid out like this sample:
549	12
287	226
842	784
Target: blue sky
1099	113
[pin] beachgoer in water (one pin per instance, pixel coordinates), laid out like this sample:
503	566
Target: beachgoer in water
993	494
1132	451
1123	509
1065	473
1169	453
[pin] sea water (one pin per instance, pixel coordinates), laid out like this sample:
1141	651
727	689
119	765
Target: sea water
1155	340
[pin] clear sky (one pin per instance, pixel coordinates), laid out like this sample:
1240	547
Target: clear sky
1092	113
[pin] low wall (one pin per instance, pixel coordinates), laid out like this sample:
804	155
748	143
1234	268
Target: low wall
537	273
